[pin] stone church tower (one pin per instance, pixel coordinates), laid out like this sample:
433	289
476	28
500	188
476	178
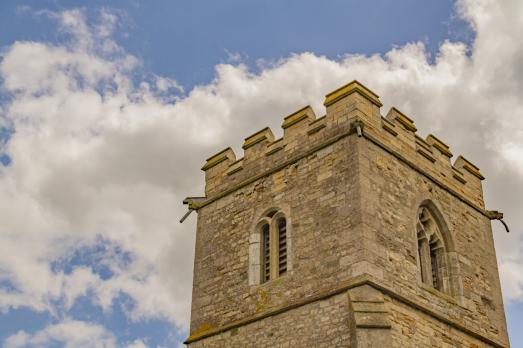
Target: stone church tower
349	231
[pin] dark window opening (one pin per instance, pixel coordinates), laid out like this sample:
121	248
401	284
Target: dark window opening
282	246
266	253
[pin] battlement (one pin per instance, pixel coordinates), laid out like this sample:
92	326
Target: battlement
352	110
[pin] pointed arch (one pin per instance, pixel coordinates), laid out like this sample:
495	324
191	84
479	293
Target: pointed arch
439	219
437	259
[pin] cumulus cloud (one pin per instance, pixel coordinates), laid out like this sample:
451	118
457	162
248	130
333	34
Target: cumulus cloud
69	333
101	161
93	164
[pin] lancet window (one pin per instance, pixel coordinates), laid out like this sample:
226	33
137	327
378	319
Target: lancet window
273	245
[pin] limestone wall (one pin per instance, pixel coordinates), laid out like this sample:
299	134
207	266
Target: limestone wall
320	324
414	329
319	195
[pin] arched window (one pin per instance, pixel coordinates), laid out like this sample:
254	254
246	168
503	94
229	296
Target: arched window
269	248
434	254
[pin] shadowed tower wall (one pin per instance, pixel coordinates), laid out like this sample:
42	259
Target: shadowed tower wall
349	231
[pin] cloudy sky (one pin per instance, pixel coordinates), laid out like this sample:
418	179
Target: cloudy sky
106	115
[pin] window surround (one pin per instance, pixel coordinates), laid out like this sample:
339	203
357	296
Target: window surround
437	260
270	217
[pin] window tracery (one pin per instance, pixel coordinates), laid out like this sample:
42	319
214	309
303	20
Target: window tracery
432	251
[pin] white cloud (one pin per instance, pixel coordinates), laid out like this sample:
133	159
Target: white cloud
69	333
137	344
99	157
92	156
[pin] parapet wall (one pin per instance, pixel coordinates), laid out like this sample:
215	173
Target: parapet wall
352	110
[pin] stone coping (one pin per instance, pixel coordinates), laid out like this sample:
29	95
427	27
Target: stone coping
349	88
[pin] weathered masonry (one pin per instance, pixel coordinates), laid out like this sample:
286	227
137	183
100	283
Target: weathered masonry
349	231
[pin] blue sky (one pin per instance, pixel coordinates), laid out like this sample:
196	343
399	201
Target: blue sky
108	109
184	40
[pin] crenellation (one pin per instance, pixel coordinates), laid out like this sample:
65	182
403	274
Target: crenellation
473	178
349	103
215	167
422	143
389	126
235	167
304	114
275	146
405	140
352	102
462	162
439	145
435	155
424	149
261	137
397	116
224	155
254	148
350	88
295	128
427	155
317	125
458	175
